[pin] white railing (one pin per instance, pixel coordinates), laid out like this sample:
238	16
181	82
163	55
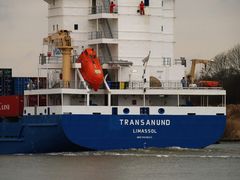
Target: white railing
102	35
43	59
102	9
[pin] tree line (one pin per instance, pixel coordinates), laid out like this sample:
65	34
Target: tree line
226	69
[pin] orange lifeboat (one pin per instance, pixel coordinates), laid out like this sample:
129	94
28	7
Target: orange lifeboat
209	83
91	68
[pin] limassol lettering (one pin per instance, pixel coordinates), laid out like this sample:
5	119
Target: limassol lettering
144	131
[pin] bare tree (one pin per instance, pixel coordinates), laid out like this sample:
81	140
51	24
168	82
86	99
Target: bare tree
226	69
224	64
234	57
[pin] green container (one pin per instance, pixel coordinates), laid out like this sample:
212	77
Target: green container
122	85
5	73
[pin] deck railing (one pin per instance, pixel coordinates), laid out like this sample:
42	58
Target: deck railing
101	35
167	85
44	59
102	9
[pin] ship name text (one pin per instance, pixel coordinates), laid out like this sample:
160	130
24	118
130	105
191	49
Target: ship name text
143	122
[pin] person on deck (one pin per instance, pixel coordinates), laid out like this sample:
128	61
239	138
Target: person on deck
112	6
183	82
141	8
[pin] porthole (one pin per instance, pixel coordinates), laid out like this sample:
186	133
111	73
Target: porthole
161	111
126	111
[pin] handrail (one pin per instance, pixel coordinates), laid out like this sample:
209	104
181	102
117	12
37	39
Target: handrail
44	59
102	9
101	35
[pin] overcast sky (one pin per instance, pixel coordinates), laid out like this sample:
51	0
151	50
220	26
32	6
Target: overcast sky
203	29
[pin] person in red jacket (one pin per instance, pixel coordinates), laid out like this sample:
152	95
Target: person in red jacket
112	5
141	8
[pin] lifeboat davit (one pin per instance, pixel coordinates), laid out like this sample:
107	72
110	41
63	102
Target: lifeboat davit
91	68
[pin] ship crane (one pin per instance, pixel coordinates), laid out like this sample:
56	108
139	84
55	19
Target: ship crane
202	83
62	41
193	67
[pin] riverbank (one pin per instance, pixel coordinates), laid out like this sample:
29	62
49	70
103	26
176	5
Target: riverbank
232	131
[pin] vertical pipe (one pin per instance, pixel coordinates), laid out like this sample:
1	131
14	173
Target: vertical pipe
178	100
66	66
88	99
225	100
75	78
109	99
62	99
144	99
207	100
97	26
47	100
97	50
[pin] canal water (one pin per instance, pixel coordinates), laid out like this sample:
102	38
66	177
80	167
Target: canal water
216	162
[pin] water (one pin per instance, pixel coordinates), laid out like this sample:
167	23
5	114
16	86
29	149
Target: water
216	162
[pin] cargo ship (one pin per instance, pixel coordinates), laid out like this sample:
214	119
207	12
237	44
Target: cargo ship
111	83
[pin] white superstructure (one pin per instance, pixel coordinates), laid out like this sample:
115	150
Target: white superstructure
122	37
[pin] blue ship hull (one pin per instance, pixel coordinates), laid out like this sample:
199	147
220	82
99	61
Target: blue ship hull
61	133
35	134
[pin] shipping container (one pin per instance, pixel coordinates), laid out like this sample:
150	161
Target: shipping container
11	106
6	86
109	84
126	85
122	85
5	73
20	84
115	85
1	86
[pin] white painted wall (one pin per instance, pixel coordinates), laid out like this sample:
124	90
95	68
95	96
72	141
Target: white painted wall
137	34
133	110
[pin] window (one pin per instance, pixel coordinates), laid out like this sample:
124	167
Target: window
166	61
144	110
126	111
134	102
53	27
146	2
162	28
53	2
75	26
162	3
161	111
57	27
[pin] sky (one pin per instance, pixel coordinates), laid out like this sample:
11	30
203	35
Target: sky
203	28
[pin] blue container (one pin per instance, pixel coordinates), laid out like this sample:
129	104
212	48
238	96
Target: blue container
115	85
20	84
6	86
109	84
1	91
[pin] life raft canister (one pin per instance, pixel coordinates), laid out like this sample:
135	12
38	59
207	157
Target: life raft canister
91	68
